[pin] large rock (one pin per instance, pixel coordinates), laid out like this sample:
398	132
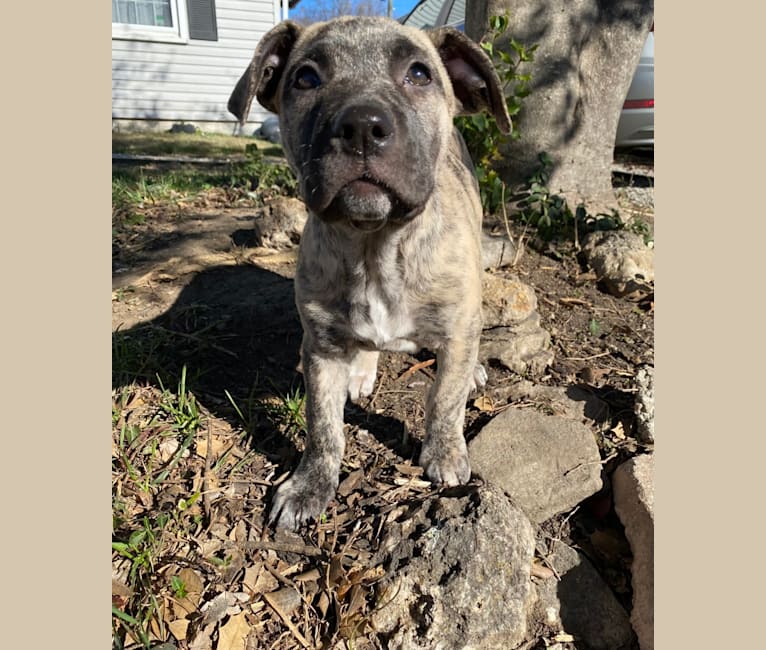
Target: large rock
547	464
580	604
459	573
622	262
512	332
633	484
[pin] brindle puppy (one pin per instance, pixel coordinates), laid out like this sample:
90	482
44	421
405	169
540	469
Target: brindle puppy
390	257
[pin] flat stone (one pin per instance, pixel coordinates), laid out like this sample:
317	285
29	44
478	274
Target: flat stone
633	484
547	464
459	568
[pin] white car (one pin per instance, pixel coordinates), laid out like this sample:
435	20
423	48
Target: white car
636	125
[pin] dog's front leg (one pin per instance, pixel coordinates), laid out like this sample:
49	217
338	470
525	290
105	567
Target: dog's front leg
444	455
311	487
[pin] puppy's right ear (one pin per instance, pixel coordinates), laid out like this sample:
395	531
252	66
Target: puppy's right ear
264	72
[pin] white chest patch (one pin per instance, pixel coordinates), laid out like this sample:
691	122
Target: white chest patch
386	329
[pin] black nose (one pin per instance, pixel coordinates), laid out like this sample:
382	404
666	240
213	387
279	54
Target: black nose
363	129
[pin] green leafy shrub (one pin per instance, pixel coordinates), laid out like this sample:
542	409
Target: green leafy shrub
480	132
552	217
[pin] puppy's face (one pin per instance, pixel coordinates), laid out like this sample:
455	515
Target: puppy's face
366	108
367	122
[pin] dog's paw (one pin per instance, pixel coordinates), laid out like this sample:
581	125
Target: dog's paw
446	464
299	500
361	379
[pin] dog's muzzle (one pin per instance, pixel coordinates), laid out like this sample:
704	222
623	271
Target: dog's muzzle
364	138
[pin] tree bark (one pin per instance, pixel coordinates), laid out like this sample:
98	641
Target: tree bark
588	51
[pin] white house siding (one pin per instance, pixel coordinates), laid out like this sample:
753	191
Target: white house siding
157	84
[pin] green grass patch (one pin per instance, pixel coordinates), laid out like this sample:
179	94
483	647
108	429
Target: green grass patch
199	145
152	433
250	178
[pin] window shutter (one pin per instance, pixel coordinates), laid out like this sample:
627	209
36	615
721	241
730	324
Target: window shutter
202	24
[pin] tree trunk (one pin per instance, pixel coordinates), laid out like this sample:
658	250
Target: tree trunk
588	51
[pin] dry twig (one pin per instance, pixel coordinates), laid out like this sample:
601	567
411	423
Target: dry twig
418	366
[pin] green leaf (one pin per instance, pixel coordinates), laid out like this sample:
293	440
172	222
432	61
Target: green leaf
136	539
504	58
123	616
122	549
178	587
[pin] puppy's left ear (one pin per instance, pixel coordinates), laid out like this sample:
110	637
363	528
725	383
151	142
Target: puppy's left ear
261	79
474	80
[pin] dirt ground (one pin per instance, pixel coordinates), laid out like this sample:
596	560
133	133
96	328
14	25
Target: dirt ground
191	289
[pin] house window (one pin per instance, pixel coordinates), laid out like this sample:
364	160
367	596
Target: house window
150	20
156	13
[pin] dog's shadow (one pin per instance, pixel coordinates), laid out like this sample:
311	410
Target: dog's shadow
234	332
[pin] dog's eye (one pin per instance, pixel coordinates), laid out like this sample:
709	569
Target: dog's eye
307	78
418	75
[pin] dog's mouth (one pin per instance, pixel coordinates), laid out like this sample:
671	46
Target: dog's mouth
367	204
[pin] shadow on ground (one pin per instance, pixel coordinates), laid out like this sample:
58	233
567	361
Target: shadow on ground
234	328
236	331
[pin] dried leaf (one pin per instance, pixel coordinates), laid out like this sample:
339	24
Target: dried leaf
335	574
308	576
323	604
217	447
356	601
215	609
286	620
484	403
287	599
178	628
350	483
119	588
167	448
259	580
203	641
233	635
192	584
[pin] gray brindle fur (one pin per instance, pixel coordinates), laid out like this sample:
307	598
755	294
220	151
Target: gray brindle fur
390	256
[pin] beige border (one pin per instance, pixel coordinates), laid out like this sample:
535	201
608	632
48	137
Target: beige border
709	327
55	326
